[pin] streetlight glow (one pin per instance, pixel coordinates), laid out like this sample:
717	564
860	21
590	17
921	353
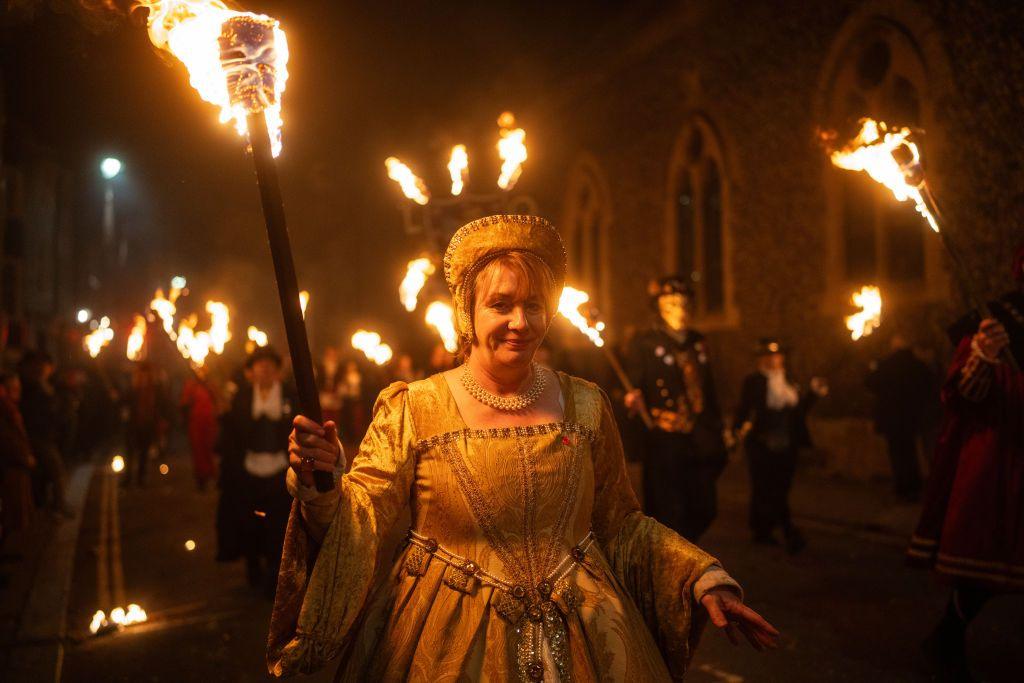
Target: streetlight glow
110	167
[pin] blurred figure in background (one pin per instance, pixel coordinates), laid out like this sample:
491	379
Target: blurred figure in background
328	379
772	423
199	405
42	424
404	370
16	459
684	453
147	420
353	409
904	389
254	502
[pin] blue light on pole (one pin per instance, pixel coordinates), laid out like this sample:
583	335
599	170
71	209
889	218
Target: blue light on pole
110	167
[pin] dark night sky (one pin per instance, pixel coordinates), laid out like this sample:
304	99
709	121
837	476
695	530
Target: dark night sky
367	80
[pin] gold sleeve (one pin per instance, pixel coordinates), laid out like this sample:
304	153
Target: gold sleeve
321	591
656	566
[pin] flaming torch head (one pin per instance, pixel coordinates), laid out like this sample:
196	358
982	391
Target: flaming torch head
891	159
512	150
370	344
416	274
412	185
458	168
236	60
569	306
441	317
864	322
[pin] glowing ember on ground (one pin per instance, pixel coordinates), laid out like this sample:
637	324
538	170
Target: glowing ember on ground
100	337
370	344
191	30
136	339
412	186
416	274
569	304
190	545
165	309
864	322
99	620
441	317
872	152
164	469
303	301
458	168
117	464
133	615
511	149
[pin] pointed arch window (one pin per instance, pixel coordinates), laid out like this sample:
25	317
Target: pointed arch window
587	223
698	235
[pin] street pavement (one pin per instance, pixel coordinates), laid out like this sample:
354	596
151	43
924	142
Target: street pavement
848	608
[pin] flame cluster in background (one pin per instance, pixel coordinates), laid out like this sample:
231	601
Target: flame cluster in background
569	306
864	322
416	274
441	317
191	29
872	151
511	149
371	345
100	337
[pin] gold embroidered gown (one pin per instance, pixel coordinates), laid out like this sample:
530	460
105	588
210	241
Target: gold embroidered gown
528	557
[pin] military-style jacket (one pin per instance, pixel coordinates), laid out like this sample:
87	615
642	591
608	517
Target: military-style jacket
674	374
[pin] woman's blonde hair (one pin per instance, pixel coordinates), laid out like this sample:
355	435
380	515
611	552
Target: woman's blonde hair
533	277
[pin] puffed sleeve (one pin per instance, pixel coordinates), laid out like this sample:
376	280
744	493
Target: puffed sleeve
321	590
657	566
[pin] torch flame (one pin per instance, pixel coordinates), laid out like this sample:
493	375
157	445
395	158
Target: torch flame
99	620
458	168
303	302
569	304
511	149
98	338
117	464
413	187
864	322
416	274
193	346
255	338
165	309
441	317
136	339
220	319
191	31
872	152
370	344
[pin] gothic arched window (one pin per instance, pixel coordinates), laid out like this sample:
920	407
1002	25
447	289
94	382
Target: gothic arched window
877	70
587	221
698	220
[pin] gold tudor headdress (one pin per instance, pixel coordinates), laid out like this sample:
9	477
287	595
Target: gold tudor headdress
475	244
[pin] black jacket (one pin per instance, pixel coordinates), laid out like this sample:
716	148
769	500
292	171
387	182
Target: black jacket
239	432
770	425
904	388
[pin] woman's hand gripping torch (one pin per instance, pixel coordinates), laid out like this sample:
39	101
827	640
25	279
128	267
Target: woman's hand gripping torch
589	324
249	50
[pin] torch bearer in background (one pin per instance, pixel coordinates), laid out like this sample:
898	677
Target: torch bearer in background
892	159
569	306
238	61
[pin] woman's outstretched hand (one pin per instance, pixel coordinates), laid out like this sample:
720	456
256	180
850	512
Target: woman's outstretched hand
312	446
728	613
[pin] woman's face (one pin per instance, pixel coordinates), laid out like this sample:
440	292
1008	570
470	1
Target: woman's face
509	319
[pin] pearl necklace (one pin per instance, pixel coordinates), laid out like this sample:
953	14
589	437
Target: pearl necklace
511	403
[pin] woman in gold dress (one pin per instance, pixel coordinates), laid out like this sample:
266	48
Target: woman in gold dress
528	557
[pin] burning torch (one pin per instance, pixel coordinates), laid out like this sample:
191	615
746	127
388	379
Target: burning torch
237	60
569	306
892	159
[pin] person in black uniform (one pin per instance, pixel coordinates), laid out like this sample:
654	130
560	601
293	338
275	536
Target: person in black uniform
684	452
253	445
772	423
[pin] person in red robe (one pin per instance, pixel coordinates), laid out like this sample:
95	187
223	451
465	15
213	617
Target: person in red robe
971	530
199	402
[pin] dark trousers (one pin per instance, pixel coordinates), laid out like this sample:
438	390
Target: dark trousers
906	473
771	477
680	484
267	505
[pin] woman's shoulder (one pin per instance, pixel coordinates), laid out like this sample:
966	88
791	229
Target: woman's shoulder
581	388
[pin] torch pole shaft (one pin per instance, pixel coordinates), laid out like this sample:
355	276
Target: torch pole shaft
960	271
613	360
287	282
